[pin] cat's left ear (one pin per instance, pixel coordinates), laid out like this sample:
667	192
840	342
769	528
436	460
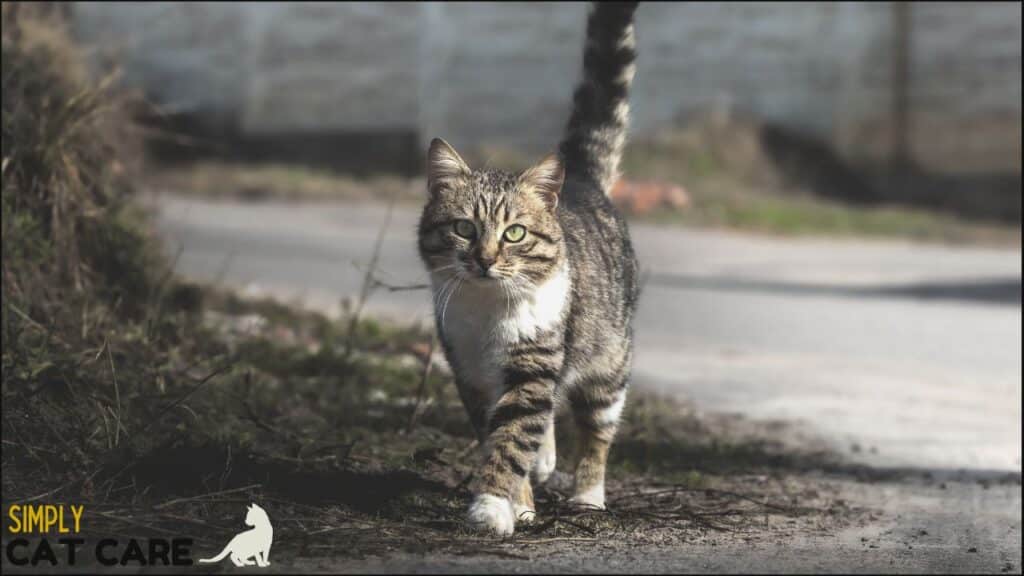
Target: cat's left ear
546	179
444	166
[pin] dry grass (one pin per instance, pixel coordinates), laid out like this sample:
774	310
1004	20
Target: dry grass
261	181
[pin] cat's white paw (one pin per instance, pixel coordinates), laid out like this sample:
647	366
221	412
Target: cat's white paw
545	464
592	498
492	513
524	513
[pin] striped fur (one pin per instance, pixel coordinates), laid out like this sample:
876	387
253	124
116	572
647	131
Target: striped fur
527	321
596	133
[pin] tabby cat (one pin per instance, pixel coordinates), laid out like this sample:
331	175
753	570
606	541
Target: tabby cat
535	287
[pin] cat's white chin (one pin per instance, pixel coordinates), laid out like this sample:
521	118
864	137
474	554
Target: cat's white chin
493	514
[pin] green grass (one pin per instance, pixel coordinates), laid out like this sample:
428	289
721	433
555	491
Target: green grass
734	184
719	199
798	215
212	179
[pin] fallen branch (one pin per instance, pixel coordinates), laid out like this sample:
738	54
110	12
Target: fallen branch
428	363
558	539
368	281
201	496
202	382
378	283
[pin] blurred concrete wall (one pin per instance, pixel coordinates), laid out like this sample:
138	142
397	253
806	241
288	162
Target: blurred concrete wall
941	84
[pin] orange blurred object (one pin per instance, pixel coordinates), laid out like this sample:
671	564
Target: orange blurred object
641	197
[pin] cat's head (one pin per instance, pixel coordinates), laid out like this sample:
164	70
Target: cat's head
491	227
255	515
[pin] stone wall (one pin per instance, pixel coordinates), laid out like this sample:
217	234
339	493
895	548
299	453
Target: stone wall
503	73
965	95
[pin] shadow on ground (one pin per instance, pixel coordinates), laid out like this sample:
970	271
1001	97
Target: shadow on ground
995	291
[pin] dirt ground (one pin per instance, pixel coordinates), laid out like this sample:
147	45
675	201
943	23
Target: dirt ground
770	512
371	478
882	529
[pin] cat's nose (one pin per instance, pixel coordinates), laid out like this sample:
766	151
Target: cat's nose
485	263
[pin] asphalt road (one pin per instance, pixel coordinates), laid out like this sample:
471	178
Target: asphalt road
896	354
901	356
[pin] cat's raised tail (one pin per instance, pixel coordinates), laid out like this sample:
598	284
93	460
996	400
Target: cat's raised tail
596	133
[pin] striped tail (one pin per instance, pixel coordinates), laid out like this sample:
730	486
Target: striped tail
596	133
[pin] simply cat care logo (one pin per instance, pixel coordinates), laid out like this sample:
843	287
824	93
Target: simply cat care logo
48	535
252	546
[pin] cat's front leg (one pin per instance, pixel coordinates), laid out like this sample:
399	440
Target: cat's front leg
261	559
522	502
516	430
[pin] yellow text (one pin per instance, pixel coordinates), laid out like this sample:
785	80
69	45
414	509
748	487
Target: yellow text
42	518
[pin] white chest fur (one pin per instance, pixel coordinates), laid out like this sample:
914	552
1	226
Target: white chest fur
480	323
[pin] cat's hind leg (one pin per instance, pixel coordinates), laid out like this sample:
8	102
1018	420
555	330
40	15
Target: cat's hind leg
546	456
596	406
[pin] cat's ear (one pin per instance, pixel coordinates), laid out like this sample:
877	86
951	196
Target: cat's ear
546	179
444	166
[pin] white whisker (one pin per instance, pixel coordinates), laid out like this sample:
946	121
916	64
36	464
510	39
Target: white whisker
444	309
439	293
507	291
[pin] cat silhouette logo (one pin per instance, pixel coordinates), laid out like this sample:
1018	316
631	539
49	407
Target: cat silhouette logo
252	546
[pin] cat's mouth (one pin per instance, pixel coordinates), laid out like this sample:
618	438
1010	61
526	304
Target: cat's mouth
480	275
485	277
488	278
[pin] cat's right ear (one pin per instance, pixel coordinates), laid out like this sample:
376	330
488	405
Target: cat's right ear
444	166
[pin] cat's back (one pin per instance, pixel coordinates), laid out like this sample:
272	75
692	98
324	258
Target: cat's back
603	265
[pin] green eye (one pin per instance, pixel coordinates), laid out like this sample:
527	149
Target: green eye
515	233
465	228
